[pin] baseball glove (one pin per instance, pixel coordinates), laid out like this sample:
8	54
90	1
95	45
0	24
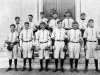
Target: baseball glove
65	48
47	48
9	47
33	47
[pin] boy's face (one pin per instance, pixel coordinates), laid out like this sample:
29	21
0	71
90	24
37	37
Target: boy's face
83	16
55	16
42	26
26	26
12	28
68	15
30	17
17	20
75	26
42	15
91	24
60	25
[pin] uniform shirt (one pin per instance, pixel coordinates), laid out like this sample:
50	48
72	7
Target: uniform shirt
26	35
12	37
32	26
91	34
59	34
43	36
74	35
19	28
53	23
83	24
41	20
67	23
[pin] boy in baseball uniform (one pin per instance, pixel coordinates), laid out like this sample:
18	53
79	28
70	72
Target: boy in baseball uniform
67	22
26	43
43	41
92	35
74	37
12	48
59	35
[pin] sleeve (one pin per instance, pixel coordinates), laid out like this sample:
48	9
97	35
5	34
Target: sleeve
49	40
21	38
98	34
37	38
72	23
68	35
50	23
53	34
85	34
63	24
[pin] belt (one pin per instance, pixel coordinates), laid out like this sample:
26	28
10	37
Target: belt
44	42
74	42
27	41
60	40
92	41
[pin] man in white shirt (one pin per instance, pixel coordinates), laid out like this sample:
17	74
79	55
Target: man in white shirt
12	47
67	22
43	42
26	43
92	35
19	28
59	35
83	25
53	22
74	37
42	19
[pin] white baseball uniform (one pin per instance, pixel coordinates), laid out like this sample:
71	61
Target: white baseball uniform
26	42
43	37
67	23
91	34
32	26
41	20
12	37
59	35
53	23
74	46
83	24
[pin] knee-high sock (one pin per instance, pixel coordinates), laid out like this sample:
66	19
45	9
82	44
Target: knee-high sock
96	64
71	62
29	63
76	63
47	61
41	63
62	63
10	62
15	61
24	62
86	63
56	63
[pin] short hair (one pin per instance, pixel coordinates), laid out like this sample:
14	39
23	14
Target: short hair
42	13
13	25
90	20
75	22
83	14
59	21
17	18
26	23
43	23
30	15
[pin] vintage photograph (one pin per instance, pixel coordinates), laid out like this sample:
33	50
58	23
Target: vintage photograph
49	37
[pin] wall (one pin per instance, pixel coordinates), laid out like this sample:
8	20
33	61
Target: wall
92	10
